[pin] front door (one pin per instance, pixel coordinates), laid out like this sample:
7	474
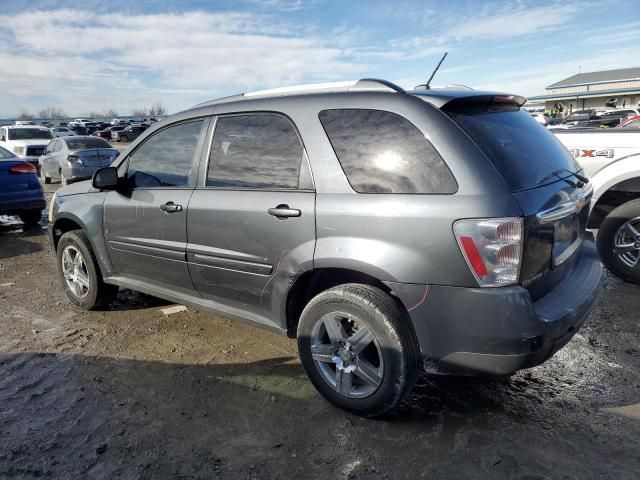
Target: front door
146	222
251	225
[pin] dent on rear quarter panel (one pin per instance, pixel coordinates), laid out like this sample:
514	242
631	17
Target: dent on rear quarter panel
87	211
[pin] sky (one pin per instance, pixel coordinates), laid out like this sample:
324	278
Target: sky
90	55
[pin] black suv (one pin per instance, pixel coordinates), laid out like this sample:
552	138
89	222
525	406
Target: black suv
128	134
383	229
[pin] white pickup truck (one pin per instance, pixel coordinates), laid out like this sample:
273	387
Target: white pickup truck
611	160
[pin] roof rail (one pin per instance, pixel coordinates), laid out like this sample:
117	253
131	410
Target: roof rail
347	86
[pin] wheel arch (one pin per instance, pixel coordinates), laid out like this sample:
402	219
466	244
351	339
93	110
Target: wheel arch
613	193
315	281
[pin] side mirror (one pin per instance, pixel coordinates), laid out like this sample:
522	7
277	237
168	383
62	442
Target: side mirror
106	179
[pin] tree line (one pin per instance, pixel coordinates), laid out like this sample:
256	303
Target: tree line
53	113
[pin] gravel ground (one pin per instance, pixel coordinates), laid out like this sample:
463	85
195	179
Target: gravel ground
131	393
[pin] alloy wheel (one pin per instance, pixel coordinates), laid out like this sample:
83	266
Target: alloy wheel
347	354
75	272
626	242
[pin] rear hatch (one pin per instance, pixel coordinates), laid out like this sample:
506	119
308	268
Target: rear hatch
542	176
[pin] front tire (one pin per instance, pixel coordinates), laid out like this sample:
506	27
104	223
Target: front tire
80	274
619	241
358	348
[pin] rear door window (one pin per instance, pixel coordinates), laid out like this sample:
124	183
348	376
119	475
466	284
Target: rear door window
525	153
382	152
257	151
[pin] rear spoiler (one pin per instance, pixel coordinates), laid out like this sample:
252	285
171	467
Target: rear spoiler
453	98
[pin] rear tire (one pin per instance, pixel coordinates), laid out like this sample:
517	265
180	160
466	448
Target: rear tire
31	218
80	274
43	176
358	348
619	241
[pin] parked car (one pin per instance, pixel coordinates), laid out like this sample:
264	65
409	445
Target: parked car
75	158
80	130
611	158
27	142
108	132
631	122
128	134
62	132
384	229
591	119
20	191
79	122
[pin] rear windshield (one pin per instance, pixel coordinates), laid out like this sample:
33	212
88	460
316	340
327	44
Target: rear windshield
87	143
521	149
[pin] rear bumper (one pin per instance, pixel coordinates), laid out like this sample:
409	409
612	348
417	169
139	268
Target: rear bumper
24	204
497	331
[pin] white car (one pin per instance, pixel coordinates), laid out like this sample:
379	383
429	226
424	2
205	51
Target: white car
79	122
62	132
611	159
27	142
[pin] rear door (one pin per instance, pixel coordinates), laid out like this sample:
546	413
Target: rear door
145	223
251	223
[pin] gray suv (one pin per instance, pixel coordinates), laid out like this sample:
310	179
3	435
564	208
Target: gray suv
384	229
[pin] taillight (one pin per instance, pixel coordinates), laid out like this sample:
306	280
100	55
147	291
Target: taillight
492	248
73	158
23	168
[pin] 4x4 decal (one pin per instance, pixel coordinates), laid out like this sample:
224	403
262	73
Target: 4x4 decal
579	152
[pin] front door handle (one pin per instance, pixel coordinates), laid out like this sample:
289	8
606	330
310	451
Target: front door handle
283	211
171	207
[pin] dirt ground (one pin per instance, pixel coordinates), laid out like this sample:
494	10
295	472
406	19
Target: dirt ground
131	393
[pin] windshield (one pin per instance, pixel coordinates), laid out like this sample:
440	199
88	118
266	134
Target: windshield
520	148
87	143
29	134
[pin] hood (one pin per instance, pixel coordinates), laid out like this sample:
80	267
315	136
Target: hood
75	189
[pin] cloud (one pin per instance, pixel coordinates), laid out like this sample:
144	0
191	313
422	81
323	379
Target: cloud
515	21
195	55
532	81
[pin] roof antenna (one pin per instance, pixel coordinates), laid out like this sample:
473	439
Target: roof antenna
426	87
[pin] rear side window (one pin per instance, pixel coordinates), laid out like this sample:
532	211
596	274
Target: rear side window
166	158
525	153
259	151
382	152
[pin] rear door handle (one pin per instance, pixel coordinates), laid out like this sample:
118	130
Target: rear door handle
171	207
283	211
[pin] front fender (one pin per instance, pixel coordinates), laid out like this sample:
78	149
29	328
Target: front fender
86	211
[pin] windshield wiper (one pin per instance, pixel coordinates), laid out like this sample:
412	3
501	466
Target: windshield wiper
582	180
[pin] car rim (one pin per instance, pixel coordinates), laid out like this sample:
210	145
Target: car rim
75	272
347	354
626	243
